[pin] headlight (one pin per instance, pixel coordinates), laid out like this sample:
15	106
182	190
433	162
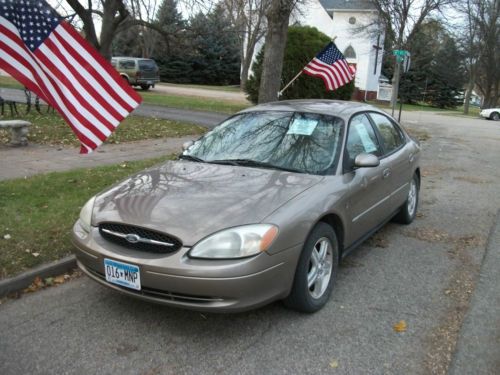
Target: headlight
86	214
236	242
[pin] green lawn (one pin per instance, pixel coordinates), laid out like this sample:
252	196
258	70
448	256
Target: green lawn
50	128
193	102
10	82
37	213
233	88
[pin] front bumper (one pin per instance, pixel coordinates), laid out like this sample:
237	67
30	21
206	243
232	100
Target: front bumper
204	285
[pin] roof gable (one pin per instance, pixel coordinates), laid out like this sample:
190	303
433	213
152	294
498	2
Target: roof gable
348	4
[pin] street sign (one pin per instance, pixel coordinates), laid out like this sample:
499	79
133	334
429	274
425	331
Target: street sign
400	52
407	62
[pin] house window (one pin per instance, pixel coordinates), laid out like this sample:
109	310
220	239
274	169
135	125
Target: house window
349	53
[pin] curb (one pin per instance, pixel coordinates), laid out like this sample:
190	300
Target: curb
24	280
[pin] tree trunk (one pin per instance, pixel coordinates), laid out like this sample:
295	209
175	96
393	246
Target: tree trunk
277	20
468	93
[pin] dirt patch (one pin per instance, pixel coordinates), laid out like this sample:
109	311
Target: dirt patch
349	262
472	180
379	239
419	134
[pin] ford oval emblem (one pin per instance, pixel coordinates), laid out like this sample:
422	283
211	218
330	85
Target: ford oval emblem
132	238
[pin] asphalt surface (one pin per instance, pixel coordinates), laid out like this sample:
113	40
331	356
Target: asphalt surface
203	118
424	274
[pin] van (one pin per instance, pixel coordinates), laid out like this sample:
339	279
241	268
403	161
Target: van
137	71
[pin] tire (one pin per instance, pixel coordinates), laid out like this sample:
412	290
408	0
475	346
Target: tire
307	297
495	116
408	210
145	87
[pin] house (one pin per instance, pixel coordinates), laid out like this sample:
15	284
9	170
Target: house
353	23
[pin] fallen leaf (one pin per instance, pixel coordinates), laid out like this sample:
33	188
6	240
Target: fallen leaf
7	237
334	364
49	281
35	254
59	279
400	326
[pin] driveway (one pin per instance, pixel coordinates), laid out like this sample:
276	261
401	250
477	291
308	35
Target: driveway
423	274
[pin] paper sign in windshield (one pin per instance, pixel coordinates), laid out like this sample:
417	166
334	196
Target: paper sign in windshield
368	144
302	126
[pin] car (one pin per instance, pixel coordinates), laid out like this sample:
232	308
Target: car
261	208
137	71
490	113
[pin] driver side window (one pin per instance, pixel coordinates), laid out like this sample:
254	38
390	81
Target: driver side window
360	139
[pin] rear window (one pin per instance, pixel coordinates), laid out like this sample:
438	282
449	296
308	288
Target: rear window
147	65
126	64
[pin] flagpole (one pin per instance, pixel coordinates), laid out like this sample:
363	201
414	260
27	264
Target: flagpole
289	83
294	78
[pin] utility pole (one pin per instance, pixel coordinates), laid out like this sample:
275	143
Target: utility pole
395	84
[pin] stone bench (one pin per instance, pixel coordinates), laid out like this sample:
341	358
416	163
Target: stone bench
19	129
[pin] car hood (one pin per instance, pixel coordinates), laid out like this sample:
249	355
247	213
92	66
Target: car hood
193	200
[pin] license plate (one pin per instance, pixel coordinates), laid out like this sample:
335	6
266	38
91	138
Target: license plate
150	82
123	274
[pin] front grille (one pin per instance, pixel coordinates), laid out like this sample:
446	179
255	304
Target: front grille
144	234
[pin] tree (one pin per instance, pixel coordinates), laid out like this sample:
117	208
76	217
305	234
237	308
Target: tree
303	43
113	13
248	17
215	44
278	16
432	78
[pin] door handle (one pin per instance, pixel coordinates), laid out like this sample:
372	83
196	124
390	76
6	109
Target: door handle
386	173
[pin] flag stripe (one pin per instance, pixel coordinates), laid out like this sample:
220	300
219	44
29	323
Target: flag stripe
88	73
331	66
322	73
71	101
336	77
96	61
323	76
60	74
57	54
20	53
51	59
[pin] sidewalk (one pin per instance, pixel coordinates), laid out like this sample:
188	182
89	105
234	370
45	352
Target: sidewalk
34	159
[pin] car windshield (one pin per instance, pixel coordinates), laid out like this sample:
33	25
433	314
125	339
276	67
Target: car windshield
300	142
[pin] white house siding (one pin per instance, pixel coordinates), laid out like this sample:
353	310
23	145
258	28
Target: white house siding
362	42
313	13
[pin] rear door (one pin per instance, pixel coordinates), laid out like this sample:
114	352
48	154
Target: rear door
396	157
369	191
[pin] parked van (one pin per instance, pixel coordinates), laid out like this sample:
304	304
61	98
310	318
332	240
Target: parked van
137	71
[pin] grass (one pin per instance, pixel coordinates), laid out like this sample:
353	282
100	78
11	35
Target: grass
10	83
193	102
37	213
233	88
51	129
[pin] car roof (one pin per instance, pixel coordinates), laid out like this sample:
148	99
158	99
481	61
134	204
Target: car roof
130	58
339	108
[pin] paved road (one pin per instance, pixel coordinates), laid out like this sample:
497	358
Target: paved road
203	118
424	274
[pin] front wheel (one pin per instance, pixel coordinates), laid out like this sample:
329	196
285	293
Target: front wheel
316	271
408	211
495	116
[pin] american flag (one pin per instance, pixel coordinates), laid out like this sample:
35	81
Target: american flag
50	58
331	66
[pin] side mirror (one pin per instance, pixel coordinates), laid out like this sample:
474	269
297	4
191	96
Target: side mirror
366	161
187	144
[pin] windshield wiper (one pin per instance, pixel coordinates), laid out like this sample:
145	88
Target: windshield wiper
254	163
191	158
